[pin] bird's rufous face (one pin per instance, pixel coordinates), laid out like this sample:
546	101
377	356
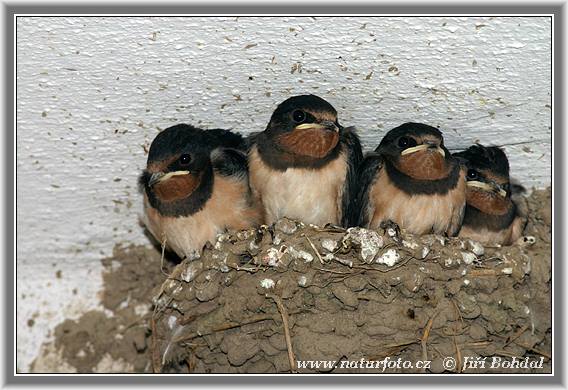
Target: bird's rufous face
308	133
487	191
422	157
173	178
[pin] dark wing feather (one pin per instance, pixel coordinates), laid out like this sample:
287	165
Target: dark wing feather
370	167
230	162
349	208
227	139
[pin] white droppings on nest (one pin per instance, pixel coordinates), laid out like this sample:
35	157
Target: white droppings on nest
408	244
369	240
192	255
277	240
527	267
302	281
300	254
220	239
507	270
267	283
191	271
253	247
329	245
526	240
476	248
466	282
125	303
390	257
273	255
220	257
141	309
245	234
468	257
172	321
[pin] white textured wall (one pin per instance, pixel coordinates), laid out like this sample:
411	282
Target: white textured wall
93	92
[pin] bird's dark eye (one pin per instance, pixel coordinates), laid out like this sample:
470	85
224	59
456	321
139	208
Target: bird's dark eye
299	116
405	142
185	159
472	174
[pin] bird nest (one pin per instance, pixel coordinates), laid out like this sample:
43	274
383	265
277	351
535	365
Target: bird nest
276	298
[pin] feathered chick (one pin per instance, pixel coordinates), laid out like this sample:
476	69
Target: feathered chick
304	164
492	214
412	180
195	186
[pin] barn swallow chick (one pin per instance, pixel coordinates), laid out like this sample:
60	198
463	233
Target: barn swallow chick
492	216
196	186
412	180
303	165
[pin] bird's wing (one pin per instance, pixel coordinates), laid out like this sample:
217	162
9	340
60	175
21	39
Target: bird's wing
227	139
368	172
349	210
230	162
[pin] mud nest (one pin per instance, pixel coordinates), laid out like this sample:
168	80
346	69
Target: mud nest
258	301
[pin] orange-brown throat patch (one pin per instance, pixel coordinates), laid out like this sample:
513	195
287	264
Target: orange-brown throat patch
177	187
487	202
315	143
424	165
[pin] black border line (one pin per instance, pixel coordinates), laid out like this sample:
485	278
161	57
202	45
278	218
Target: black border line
279	379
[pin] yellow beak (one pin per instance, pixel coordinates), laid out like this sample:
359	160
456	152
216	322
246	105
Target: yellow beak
160	177
316	126
418	148
487	187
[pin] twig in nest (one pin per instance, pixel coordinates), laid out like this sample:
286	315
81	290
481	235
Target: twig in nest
425	336
456	307
516	335
391	349
313	248
482	272
330	229
478	344
165	239
345	262
284	314
156	360
387	300
332	271
458	356
507	354
367	268
229	325
533	349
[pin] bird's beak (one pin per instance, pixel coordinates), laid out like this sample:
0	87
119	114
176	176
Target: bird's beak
324	125
488	187
426	146
161	176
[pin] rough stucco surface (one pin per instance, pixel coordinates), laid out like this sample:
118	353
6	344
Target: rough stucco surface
93	92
